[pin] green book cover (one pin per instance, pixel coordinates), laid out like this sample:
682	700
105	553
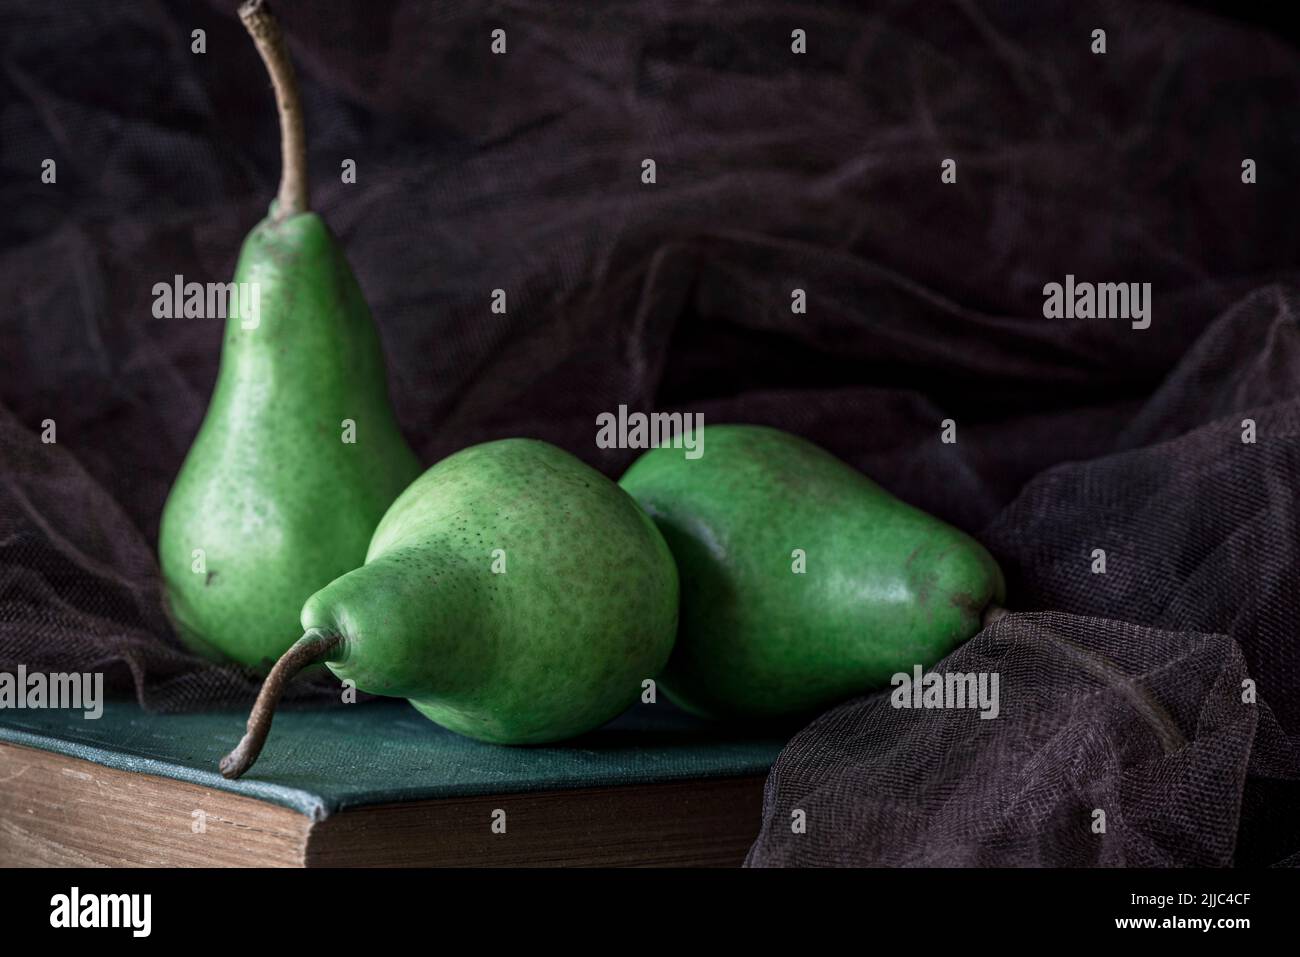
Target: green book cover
324	760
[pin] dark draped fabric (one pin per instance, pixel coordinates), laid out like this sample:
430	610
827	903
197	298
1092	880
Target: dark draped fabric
1163	693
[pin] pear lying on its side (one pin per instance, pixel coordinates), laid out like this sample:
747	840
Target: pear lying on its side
802	581
512	593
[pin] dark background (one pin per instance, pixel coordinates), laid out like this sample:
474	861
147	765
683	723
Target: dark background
774	171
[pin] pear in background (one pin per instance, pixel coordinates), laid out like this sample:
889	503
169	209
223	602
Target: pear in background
802	581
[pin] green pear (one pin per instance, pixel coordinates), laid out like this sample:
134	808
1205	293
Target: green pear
802	581
299	454
512	593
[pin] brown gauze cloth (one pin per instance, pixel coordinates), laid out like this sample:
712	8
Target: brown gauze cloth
1163	692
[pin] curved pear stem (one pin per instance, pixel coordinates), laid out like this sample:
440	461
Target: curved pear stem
313	647
263	27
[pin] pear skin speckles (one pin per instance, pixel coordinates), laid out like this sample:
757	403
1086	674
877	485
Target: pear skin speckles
514	594
272	503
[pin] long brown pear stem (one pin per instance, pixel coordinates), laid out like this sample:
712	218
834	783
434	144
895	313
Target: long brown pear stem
313	647
265	31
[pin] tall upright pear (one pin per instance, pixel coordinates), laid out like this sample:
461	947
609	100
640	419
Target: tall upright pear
802	581
299	454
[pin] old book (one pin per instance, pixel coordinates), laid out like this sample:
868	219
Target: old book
372	785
